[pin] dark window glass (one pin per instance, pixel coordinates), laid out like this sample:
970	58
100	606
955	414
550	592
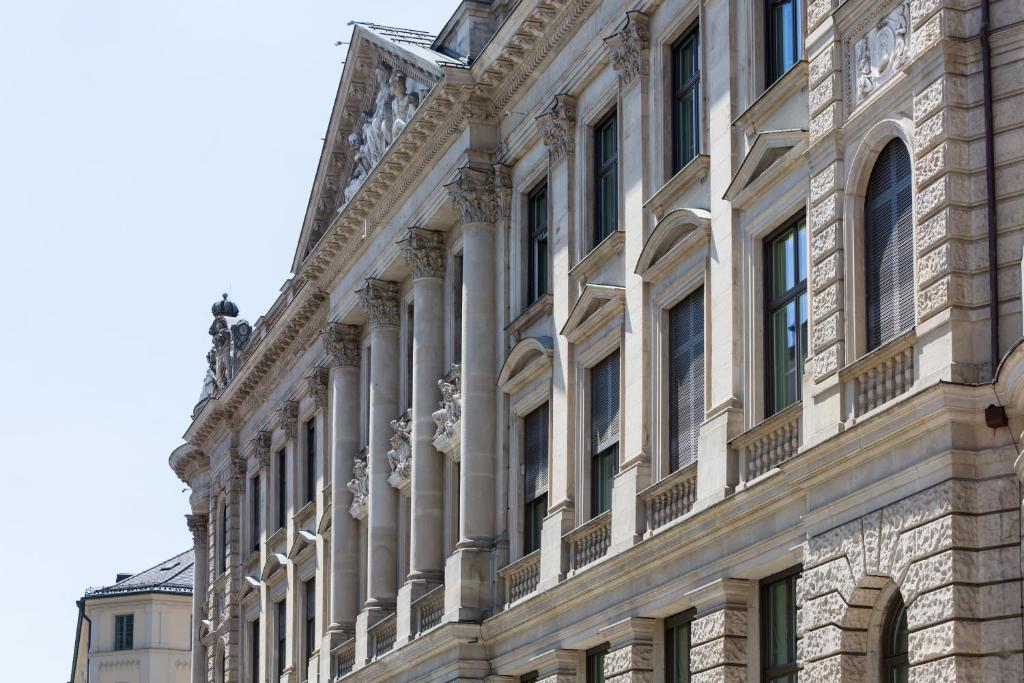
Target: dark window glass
457	309
604	432
124	631
255	512
531	677
606	178
677	648
254	651
686	378
282	488
786	315
410	323
895	638
889	246
785	42
685	99
310	460
535	480
310	634
778	628
537	247
595	665
224	547
282	636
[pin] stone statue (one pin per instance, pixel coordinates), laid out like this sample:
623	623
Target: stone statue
359	486
403	104
400	455
451	404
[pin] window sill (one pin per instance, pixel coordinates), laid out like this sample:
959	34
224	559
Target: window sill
610	246
696	170
539	309
771	100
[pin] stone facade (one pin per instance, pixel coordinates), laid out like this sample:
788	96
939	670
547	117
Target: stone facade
357	461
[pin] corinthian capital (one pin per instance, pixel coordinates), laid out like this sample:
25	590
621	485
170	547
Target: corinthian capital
261	447
288	413
199	526
342	344
379	298
481	193
316	385
558	127
629	47
423	250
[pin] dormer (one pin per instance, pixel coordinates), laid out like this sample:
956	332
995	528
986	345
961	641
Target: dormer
471	27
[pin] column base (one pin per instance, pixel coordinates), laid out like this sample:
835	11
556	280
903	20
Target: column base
413	590
468	588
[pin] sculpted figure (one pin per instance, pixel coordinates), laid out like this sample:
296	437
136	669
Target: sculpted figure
403	104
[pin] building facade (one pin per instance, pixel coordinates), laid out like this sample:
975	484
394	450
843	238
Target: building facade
657	341
137	630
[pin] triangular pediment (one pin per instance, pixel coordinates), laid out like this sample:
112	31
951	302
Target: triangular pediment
387	74
771	148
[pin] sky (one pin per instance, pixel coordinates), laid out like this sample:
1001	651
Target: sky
152	156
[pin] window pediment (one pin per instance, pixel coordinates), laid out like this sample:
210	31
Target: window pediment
772	152
249	584
678	235
275	561
303	539
527	360
597	305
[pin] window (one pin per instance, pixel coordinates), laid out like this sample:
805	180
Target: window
685	99
457	310
124	631
895	650
310	460
778	627
595	664
537	247
310	639
282	636
604	432
410	322
535	479
224	547
686	379
889	246
282	488
784	39
786	314
677	648
254	513
606	178
254	651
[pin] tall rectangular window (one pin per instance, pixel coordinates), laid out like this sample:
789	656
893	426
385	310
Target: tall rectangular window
282	636
778	627
282	488
124	631
686	378
310	634
685	99
410	322
786	314
677	648
254	651
254	513
606	177
595	664
535	480
784	39
457	309
224	546
537	246
604	432
310	460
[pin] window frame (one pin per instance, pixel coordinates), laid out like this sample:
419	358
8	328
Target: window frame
124	632
671	624
772	305
791	668
678	90
700	292
223	545
254	650
595	457
537	269
774	72
309	623
595	663
281	461
535	508
310	460
281	649
601	170
255	486
889	661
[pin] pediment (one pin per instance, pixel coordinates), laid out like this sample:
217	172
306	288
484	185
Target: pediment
388	73
275	561
675	237
528	357
303	539
773	148
249	584
597	305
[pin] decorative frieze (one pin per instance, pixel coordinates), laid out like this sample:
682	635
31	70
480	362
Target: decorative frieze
825	302
424	251
400	455
824	213
288	416
481	193
379	298
342	344
558	127
882	52
629	48
821	95
825	272
826	362
826	332
359	485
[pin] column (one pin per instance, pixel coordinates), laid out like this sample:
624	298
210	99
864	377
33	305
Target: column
629	51
424	251
342	344
288	417
630	654
379	298
198	524
718	636
478	193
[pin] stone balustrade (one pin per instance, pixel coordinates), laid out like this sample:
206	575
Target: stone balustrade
770	443
343	658
521	577
880	376
428	610
382	636
589	542
670	498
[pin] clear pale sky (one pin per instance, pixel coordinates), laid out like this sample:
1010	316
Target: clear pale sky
152	156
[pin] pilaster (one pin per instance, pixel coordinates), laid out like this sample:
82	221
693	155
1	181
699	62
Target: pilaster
718	635
630	656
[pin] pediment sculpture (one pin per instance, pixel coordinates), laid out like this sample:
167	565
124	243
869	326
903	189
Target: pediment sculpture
229	342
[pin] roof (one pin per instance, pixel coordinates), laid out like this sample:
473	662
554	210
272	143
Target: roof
417	42
173	575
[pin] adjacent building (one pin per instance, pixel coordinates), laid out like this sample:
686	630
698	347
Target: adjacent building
649	341
138	629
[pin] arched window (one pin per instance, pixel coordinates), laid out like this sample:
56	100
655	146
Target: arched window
895	657
889	246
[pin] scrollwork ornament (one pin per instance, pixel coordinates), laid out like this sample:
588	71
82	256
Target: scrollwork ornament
288	413
629	48
342	344
400	455
558	127
261	448
316	385
476	194
199	525
424	251
379	298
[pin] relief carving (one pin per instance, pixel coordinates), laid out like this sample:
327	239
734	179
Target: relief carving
379	298
558	127
359	485
881	53
447	418
400	455
629	47
342	344
424	251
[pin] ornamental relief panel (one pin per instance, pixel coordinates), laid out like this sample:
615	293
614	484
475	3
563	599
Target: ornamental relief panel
876	52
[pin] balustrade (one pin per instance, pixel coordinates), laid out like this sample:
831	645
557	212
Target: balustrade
382	636
670	498
521	577
589	542
428	610
770	443
880	376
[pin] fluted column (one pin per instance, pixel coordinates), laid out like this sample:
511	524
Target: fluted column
198	524
480	193
379	299
343	348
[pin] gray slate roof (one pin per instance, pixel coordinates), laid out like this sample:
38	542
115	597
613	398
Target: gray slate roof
419	43
174	575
